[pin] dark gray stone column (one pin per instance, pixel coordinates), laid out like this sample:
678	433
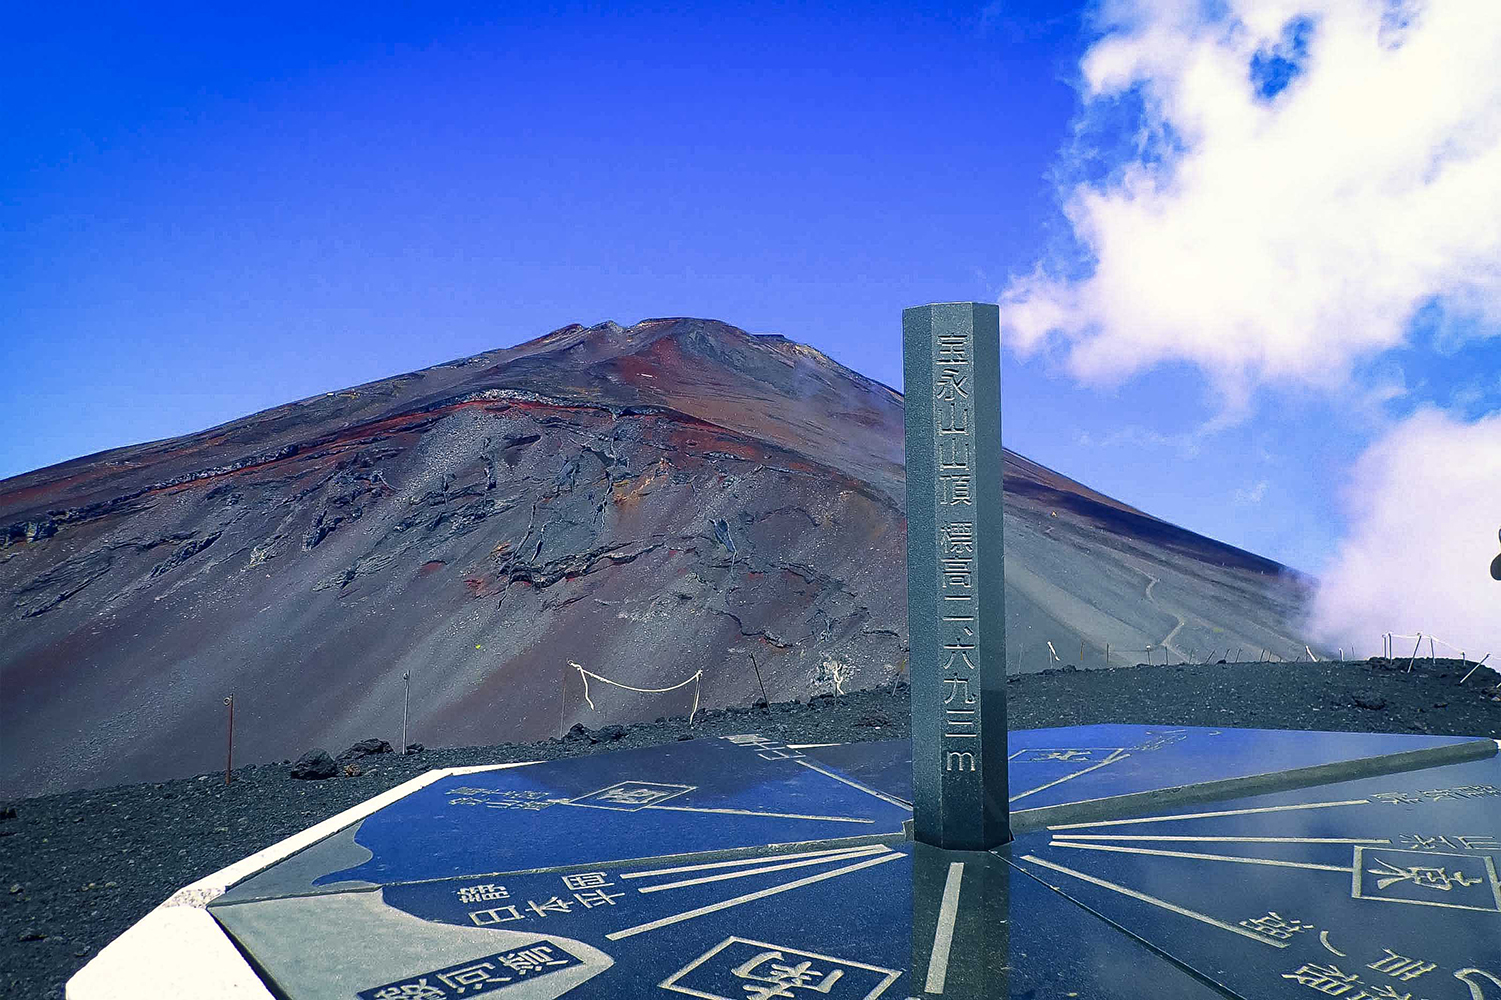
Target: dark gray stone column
956	614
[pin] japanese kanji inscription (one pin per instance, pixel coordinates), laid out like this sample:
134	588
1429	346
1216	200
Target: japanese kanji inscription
955	576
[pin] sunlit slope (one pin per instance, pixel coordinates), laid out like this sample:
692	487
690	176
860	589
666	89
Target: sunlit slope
646	502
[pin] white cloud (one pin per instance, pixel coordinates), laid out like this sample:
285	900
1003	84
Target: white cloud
1422	503
1289	238
1139	438
1308	185
1250	495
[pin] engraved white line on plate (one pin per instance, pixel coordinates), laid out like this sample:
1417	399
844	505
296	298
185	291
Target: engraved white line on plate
870	791
751	897
757	860
1343	869
833	858
749	812
1237	840
1155	901
1119	755
943	936
1208	815
810	746
1324	940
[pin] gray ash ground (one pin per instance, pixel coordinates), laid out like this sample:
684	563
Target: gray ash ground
77	869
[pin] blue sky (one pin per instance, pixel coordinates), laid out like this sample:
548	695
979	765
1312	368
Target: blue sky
209	213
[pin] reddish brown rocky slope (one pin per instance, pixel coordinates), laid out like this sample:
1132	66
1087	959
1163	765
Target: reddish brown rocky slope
646	502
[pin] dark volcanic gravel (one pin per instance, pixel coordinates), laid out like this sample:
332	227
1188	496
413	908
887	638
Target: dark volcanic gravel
76	870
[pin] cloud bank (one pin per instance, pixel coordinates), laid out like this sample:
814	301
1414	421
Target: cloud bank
1304	186
1425	508
1304	178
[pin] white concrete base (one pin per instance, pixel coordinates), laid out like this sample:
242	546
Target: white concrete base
178	950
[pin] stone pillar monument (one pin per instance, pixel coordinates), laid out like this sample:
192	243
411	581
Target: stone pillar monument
956	614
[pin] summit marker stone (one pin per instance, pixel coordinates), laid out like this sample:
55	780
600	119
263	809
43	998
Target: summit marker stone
956	611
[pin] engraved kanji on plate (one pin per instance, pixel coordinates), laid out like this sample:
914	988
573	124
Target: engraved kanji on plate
1424	875
482	893
1326	979
630	796
1275	925
780	976
742	969
496	915
597	897
535	959
1401	967
478	976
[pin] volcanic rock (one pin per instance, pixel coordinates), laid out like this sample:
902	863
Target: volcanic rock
315	765
365	748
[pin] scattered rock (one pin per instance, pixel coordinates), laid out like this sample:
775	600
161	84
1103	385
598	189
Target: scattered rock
9	812
15	888
578	732
31	934
1371	701
415	748
315	765
352	770
687	736
607	734
873	717
366	748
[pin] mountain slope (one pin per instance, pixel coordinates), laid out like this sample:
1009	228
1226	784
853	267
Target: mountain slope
645	502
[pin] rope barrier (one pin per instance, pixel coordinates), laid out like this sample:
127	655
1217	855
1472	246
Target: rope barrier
1423	635
696	678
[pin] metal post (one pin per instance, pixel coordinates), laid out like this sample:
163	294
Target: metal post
1414	652
759	681
406	702
229	753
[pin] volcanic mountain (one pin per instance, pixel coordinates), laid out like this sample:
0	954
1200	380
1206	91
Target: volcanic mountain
540	536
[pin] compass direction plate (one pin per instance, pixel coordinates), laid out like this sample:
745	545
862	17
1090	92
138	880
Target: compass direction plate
742	867
1386	884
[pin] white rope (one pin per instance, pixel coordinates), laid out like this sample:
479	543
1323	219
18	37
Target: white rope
1423	635
586	674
